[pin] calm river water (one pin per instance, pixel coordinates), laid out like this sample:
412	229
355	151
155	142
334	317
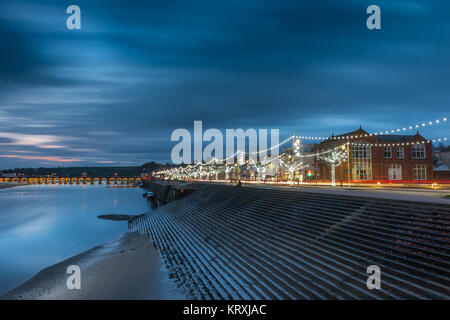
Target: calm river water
41	225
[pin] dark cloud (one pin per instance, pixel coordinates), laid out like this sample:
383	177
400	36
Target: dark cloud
140	69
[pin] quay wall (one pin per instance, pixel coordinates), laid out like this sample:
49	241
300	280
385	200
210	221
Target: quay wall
165	192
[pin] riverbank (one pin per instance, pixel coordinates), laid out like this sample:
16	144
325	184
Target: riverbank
41	225
127	268
5	185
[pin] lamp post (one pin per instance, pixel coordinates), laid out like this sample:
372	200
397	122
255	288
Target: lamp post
348	163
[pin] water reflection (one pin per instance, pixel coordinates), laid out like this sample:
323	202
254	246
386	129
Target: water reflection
41	225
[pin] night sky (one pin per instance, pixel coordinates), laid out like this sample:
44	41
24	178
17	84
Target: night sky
113	92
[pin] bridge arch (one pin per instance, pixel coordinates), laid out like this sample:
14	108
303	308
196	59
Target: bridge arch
72	180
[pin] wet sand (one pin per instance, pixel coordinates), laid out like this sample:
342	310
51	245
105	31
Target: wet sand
128	268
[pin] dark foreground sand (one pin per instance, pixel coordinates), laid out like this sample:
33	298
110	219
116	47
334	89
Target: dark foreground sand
127	268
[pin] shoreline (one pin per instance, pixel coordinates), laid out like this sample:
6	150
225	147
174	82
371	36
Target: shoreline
128	268
6	185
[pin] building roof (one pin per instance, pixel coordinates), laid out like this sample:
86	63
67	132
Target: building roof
394	138
379	137
344	134
441	167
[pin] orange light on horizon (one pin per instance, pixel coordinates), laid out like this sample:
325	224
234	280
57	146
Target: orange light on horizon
51	159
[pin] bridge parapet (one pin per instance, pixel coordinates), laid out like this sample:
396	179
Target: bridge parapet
72	180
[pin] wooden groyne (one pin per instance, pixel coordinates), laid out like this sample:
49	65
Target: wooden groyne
225	242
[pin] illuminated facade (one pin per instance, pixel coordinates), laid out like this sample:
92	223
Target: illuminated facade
378	157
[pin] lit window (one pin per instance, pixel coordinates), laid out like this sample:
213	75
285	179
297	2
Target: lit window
360	150
387	152
420	172
400	152
395	172
361	170
418	151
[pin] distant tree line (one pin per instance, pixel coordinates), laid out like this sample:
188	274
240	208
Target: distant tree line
146	168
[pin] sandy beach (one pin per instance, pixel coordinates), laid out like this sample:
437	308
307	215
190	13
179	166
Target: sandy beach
127	268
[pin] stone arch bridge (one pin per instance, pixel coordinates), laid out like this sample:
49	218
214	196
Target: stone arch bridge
73	180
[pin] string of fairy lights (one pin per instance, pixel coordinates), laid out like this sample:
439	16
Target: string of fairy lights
331	152
382	132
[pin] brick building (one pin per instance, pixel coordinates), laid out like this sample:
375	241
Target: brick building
377	157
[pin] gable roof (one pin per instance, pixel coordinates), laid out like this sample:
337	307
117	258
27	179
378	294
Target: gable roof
394	138
374	138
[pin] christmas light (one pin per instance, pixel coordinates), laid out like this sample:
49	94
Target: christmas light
381	132
332	155
335	158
